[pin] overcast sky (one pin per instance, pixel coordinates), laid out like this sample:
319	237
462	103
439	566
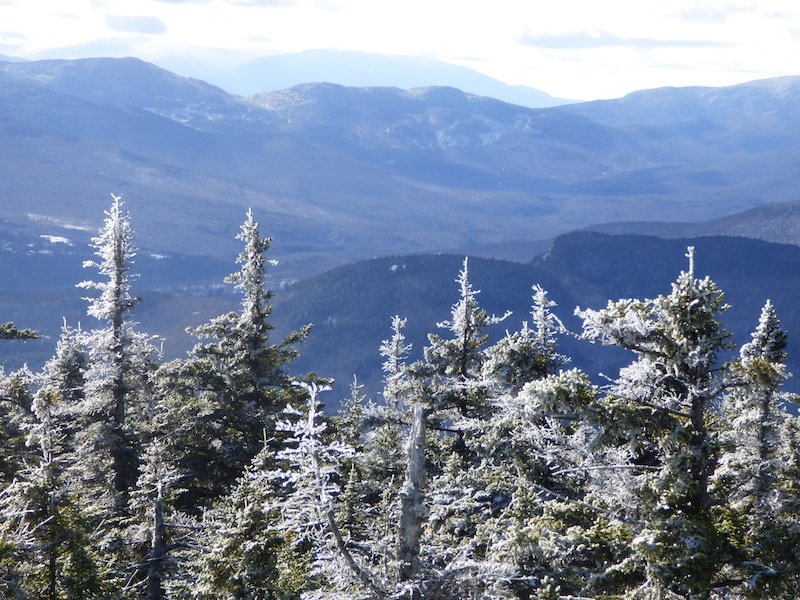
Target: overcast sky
582	49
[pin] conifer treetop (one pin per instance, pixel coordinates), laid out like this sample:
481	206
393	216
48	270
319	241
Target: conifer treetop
116	252
250	278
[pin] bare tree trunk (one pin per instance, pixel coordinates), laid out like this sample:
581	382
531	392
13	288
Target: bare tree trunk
412	510
158	550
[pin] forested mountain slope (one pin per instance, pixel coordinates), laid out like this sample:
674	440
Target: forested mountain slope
352	306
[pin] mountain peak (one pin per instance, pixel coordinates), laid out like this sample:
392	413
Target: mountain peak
363	69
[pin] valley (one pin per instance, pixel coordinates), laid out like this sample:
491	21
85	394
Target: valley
338	175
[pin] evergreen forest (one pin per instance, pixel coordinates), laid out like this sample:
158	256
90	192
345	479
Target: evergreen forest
482	471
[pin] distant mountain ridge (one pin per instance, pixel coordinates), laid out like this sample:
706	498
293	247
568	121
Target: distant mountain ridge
667	104
338	175
363	69
779	222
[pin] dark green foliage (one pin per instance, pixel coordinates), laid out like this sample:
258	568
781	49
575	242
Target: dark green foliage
9	332
222	401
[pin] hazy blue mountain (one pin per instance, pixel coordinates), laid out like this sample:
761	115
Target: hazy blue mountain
778	222
6	58
134	84
447	136
730	103
363	69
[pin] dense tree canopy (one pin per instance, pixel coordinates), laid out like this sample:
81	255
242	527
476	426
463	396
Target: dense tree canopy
483	470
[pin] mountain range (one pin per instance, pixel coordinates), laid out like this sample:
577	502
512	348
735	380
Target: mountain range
342	173
338	175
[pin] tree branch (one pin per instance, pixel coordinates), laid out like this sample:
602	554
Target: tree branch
360	573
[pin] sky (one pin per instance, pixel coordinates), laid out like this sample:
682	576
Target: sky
581	49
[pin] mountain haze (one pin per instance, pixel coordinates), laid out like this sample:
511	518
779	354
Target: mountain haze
731	103
779	222
362	69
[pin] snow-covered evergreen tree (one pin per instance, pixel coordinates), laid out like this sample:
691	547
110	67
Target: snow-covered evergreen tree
244	551
662	405
452	371
163	537
310	485
225	397
120	363
15	409
751	471
45	504
528	354
368	508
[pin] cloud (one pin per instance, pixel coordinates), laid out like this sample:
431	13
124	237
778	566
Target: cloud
587	40
266	2
708	15
150	25
12	35
712	16
261	3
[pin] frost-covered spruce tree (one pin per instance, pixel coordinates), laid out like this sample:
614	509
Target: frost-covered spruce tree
24	498
121	361
54	555
277	534
557	491
245	553
450	395
751	471
513	509
164	539
368	507
224	398
74	567
310	487
453	365
661	404
752	416
530	353
15	411
444	494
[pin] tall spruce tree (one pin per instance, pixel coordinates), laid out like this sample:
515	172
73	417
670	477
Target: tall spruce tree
224	398
662	405
121	361
15	409
369	508
45	504
761	513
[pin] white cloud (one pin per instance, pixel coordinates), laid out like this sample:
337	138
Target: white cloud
580	40
149	25
233	3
